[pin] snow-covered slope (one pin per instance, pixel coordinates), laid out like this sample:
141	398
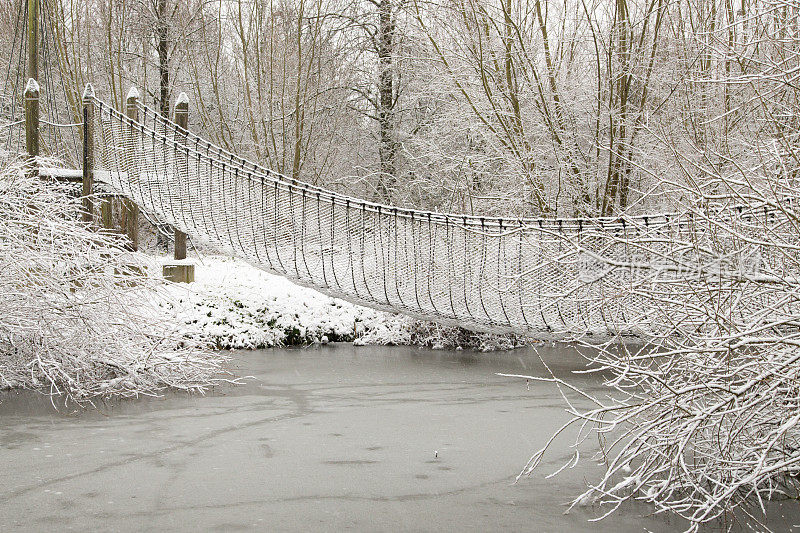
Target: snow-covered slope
234	305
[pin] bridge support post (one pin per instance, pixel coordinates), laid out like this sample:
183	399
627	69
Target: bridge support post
107	213
181	271
182	120
130	211
88	153
31	98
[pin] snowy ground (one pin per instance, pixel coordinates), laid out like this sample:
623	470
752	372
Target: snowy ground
234	305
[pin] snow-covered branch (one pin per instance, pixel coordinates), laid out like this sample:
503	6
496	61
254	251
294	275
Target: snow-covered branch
78	315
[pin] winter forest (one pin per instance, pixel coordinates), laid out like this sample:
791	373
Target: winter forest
571	109
615	182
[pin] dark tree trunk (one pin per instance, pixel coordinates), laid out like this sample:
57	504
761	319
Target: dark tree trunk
615	197
162	33
162	47
388	147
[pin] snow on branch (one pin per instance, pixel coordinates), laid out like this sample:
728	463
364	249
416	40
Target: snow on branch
702	419
79	318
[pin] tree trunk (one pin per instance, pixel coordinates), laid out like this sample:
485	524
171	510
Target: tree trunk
162	32
386	100
162	46
618	180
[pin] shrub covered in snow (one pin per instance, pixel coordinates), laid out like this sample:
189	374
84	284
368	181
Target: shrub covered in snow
78	316
704	419
406	331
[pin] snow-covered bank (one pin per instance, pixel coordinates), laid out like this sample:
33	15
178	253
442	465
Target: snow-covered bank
234	305
77	318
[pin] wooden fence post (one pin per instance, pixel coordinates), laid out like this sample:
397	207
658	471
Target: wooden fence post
182	120
31	98
130	211
107	212
181	271
88	153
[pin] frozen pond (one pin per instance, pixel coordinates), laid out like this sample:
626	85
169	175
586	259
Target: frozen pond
324	438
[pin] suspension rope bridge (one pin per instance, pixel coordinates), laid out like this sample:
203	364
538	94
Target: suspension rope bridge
550	278
542	277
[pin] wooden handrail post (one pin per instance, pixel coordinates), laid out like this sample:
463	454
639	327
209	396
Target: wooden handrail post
31	98
130	213
88	153
182	120
32	92
183	271
107	212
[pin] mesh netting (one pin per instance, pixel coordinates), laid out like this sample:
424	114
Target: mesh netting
547	278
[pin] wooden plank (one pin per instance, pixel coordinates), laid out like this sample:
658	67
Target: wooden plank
71	175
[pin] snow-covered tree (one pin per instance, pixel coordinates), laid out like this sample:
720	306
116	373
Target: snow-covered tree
78	315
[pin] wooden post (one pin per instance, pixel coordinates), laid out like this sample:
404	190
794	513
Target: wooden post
32	92
33	39
181	271
88	152
107	213
182	120
130	213
32	122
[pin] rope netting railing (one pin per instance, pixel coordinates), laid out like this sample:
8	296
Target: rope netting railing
542	277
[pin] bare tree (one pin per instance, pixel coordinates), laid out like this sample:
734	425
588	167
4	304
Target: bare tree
703	420
77	339
387	98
